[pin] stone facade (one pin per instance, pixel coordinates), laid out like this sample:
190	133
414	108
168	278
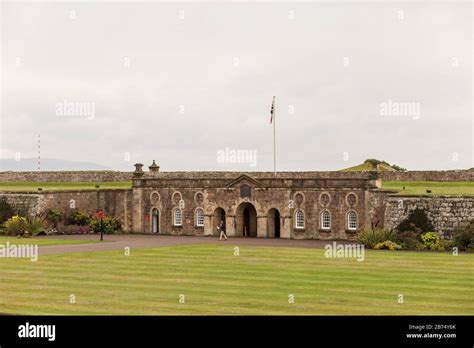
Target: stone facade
300	205
253	204
446	213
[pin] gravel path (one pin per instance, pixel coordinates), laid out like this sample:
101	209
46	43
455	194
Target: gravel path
118	242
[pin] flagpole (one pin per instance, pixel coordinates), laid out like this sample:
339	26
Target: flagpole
274	141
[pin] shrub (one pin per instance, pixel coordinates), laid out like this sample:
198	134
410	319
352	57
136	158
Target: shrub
101	222
431	241
370	238
34	226
78	217
387	245
15	226
398	168
53	216
463	237
6	210
407	240
417	221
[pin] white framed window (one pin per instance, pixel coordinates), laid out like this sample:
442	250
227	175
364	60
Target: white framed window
199	217
352	221
325	220
299	219
177	217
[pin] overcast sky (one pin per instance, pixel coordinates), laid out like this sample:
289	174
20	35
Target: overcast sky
179	82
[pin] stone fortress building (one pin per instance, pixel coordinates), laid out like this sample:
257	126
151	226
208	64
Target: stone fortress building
299	205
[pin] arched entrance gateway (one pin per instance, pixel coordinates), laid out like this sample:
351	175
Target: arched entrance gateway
217	217
246	215
273	223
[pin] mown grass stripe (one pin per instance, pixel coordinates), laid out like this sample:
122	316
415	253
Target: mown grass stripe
257	282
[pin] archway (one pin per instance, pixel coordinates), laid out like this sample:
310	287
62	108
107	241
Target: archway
246	220
273	223
155	221
217	217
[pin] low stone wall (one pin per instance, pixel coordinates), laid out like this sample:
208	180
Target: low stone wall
446	213
115	202
103	176
429	175
66	176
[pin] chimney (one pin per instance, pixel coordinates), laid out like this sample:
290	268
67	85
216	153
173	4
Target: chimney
154	168
138	170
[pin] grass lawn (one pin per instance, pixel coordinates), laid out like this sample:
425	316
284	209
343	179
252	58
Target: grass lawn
22	186
42	241
436	187
367	167
259	281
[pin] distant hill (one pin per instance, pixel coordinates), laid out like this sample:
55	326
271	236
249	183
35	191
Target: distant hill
47	164
372	164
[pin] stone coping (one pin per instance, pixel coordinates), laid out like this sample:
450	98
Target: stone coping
64	191
430	196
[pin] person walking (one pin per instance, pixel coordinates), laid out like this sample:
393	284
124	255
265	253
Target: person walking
221	229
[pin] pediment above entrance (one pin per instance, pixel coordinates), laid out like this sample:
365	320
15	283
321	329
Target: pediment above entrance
244	179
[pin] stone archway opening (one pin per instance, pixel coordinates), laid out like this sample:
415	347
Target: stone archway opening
273	223
217	217
246	215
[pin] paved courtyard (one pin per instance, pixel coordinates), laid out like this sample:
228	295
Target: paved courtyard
118	242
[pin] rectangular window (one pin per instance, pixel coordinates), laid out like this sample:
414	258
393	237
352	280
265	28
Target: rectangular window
299	219
325	221
178	217
352	223
199	218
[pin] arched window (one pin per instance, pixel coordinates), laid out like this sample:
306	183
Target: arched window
352	221
325	220
177	217
299	219
199	217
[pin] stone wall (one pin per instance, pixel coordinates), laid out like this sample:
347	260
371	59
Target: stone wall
446	213
66	176
114	202
104	176
376	202
429	175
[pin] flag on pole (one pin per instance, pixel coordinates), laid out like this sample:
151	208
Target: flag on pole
272	110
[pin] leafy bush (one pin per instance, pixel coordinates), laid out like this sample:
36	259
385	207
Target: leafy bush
431	241
407	240
101	222
370	238
6	210
463	237
387	245
398	168
78	217
34	226
417	221
15	226
53	216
